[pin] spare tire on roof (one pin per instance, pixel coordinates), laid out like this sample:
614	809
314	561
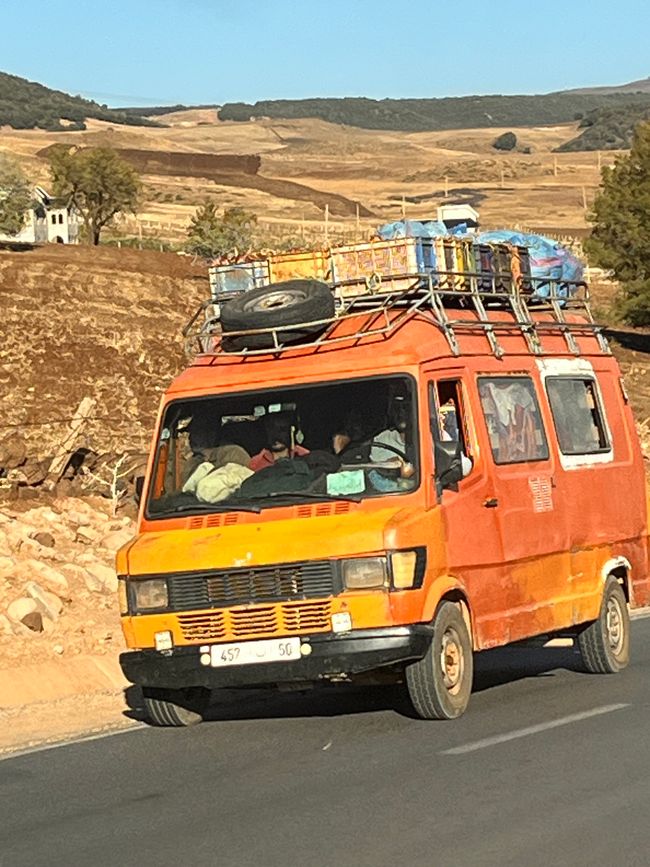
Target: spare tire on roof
303	303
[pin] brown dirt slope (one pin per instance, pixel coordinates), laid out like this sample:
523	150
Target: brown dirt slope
232	170
181	164
99	322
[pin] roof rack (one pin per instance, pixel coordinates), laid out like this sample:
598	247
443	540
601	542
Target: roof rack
379	304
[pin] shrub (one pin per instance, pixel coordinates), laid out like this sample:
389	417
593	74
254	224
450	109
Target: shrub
507	141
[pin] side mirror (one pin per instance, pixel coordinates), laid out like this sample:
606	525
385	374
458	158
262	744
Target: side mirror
449	465
138	488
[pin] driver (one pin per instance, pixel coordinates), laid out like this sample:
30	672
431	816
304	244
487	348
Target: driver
394	437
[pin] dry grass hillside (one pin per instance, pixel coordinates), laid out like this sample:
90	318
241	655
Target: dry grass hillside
306	164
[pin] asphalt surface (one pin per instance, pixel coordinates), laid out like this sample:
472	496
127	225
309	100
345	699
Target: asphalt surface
550	766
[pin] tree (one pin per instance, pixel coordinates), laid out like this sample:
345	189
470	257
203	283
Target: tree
98	182
620	240
210	235
15	196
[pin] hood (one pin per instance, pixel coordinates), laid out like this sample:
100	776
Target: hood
268	542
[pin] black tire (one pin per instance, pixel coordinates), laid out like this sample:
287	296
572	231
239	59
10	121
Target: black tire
441	689
292	302
605	644
175	707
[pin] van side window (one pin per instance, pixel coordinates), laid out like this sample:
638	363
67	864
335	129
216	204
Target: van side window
513	419
449	406
577	415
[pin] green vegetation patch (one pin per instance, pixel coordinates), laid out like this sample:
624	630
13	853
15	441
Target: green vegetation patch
606	129
29	105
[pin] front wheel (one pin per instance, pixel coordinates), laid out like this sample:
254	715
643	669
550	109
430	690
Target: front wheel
605	644
439	685
175	707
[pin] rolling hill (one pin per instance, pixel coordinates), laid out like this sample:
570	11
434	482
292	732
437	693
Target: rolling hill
28	105
428	115
607	129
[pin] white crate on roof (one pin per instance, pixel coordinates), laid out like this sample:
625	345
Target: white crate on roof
237	277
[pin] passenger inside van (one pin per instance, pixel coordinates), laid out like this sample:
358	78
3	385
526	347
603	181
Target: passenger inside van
280	442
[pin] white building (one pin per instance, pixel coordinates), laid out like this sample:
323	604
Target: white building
50	220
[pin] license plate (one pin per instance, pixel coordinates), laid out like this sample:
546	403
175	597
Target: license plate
249	652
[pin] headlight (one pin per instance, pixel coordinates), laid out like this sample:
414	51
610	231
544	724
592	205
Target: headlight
150	594
365	573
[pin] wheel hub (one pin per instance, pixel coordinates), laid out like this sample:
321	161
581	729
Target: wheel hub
276	299
614	625
452	661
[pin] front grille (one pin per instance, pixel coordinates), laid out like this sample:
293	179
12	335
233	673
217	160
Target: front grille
259	621
224	588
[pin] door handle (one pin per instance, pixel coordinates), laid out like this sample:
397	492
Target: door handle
491	503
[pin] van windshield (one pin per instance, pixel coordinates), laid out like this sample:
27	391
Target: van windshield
255	450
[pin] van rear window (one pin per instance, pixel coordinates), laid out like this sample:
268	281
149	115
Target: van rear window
513	419
577	415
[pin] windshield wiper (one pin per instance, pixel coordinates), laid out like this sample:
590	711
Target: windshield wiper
310	495
206	507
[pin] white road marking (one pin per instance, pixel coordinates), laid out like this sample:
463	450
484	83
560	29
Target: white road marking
10	753
532	730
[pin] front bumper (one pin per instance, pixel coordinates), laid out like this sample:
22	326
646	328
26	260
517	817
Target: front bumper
331	656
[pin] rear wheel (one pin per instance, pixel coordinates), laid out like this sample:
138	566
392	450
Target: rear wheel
440	684
605	643
175	707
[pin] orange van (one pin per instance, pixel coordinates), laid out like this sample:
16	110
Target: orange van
384	481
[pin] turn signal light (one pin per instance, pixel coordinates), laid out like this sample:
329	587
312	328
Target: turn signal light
403	564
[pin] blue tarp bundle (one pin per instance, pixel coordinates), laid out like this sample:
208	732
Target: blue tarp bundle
548	259
417	229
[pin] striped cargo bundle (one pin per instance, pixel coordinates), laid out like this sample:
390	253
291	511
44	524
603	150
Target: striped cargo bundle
397	260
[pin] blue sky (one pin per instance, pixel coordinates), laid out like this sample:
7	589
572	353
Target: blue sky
141	52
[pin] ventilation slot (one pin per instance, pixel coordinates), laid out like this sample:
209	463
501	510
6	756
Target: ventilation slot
313	617
254	621
202	627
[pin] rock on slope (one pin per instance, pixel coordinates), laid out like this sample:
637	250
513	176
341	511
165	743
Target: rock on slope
57	580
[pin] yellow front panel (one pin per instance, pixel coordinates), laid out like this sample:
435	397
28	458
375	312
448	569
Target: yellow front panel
270	620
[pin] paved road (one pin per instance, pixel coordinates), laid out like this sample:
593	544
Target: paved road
348	778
